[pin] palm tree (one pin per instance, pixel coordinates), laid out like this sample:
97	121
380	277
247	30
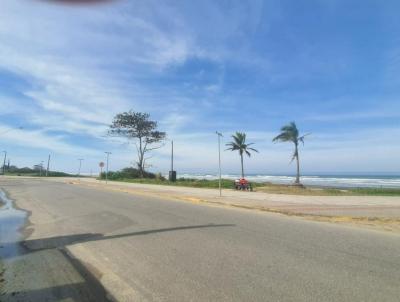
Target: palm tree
290	133
239	143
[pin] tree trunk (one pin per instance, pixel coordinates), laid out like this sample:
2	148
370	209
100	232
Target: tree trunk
241	161
140	166
298	165
141	156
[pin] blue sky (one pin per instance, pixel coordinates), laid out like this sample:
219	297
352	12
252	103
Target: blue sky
201	66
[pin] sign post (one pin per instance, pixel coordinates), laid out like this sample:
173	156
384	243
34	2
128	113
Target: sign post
101	165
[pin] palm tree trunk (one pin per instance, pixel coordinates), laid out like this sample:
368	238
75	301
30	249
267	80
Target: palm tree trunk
298	165
241	161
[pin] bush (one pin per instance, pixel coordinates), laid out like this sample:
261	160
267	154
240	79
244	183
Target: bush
160	177
130	173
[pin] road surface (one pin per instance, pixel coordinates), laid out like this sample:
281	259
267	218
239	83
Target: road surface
143	248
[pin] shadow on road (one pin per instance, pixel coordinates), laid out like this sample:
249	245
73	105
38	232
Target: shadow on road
62	241
70	292
42	250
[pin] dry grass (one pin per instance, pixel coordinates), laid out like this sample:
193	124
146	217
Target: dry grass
312	191
295	190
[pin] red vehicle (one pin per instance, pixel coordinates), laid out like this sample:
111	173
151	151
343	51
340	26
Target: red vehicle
243	184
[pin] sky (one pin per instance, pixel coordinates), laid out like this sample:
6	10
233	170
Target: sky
197	67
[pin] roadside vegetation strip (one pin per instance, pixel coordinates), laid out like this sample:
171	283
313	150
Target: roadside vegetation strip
36	172
318	191
267	187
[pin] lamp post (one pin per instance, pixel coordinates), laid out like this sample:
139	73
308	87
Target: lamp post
80	166
172	155
48	166
108	155
41	168
172	173
4	162
219	160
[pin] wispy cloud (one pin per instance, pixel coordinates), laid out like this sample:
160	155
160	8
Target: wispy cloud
196	67
38	139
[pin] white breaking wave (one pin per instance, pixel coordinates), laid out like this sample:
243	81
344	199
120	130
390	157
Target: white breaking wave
325	181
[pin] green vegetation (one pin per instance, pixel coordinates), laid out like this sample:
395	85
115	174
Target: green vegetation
313	191
239	144
182	182
15	171
290	133
137	126
132	175
376	191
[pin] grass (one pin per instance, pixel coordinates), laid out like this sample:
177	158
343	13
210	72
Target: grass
314	191
376	191
37	174
294	190
1	275
183	182
269	188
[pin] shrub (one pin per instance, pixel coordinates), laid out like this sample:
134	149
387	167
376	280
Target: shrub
129	173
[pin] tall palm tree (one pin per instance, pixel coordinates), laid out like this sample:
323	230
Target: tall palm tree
239	144
290	133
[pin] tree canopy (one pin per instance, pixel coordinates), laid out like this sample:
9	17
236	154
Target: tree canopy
138	126
290	133
239	144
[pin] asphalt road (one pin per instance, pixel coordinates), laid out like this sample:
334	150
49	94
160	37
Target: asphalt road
147	249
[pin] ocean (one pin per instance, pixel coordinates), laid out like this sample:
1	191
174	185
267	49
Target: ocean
337	181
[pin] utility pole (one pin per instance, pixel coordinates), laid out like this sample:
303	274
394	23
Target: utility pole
48	166
172	155
4	162
172	173
219	160
80	166
41	168
108	155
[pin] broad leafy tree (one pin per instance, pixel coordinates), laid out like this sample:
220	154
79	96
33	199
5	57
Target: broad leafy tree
290	133
137	126
239	144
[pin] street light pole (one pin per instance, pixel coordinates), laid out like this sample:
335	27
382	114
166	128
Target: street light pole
80	166
219	160
4	162
108	155
172	172
172	155
48	166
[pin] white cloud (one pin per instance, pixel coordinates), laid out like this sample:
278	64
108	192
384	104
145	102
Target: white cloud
38	139
80	66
